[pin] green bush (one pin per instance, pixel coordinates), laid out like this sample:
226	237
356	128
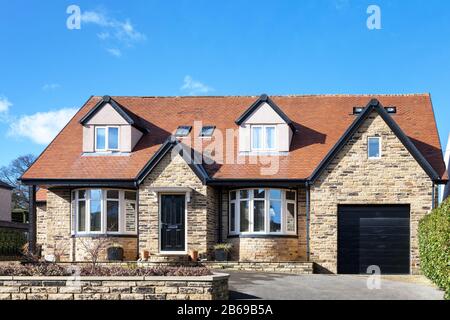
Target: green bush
11	242
434	242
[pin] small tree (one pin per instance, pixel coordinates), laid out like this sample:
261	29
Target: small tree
93	248
59	250
11	175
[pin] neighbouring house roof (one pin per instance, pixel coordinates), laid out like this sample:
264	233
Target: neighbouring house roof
4	185
320	123
41	195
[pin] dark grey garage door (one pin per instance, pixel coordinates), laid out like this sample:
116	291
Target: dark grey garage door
373	235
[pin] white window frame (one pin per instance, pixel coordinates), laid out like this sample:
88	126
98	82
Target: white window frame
103	228
379	148
251	199
107	148
264	138
236	231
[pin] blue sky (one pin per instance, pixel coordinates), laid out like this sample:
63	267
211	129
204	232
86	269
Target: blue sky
142	47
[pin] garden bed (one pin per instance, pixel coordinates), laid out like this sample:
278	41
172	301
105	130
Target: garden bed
56	282
51	269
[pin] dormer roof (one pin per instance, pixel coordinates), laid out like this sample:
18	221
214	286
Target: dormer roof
128	116
264	98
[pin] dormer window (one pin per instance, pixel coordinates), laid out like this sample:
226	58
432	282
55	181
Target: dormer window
106	138
263	138
207	131
183	131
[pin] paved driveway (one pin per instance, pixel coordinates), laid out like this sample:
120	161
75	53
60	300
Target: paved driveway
251	285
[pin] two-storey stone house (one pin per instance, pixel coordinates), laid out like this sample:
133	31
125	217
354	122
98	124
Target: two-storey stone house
338	180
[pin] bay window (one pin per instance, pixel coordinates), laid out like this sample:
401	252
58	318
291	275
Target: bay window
102	211
263	211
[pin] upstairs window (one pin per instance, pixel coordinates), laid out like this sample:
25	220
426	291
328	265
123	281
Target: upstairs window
106	138
374	147
207	131
183	131
263	138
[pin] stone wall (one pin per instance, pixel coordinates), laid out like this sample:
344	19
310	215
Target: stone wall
213	287
268	267
201	210
41	225
270	248
351	178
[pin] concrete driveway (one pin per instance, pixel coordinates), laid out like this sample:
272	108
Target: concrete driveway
252	285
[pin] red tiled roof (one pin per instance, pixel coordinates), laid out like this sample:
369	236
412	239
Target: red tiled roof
320	121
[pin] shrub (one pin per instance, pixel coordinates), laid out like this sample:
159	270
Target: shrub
52	269
11	242
434	242
223	246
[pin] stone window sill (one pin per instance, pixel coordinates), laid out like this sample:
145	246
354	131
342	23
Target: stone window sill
93	235
263	236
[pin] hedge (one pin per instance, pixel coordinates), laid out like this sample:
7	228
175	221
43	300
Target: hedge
434	242
11	242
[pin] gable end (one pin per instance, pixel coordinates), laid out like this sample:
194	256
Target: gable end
375	105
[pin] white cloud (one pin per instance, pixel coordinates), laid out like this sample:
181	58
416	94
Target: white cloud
114	52
4	104
50	86
41	127
194	87
121	31
103	35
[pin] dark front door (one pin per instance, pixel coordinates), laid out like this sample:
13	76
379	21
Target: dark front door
373	236
173	223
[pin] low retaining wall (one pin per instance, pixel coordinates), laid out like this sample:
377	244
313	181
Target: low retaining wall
273	267
214	287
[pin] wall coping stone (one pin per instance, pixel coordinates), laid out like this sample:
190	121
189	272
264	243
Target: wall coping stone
213	277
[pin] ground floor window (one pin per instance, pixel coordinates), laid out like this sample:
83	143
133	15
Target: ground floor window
104	211
263	211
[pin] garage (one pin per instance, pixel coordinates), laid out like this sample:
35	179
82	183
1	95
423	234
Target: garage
374	235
